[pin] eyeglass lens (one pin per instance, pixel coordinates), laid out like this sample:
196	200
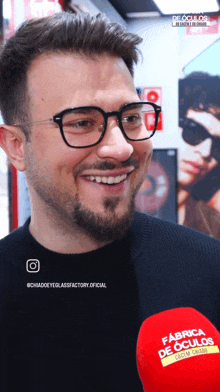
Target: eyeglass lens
194	134
84	126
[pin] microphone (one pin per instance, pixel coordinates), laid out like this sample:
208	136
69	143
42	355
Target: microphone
179	349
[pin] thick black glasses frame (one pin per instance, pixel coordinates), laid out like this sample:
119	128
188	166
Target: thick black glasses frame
59	117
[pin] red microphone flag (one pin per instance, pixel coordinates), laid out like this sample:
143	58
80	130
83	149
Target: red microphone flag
179	349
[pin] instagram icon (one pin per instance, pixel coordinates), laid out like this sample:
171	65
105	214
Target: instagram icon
33	265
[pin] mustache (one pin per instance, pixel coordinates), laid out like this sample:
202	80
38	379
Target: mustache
107	165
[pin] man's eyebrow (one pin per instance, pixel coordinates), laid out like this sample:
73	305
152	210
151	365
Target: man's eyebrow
85	109
134	103
80	109
88	108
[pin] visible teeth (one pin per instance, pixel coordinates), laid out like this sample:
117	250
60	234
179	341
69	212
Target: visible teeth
111	180
108	180
118	179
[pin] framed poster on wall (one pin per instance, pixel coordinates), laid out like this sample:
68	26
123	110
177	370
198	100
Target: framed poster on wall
199	153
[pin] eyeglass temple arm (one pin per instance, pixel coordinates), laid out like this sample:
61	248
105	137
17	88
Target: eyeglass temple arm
33	122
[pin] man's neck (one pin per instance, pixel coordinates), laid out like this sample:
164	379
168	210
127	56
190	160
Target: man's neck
59	236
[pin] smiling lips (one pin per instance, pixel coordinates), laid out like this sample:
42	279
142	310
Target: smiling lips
110	180
115	177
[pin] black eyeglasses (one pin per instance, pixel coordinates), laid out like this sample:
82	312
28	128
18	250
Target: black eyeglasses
194	134
85	126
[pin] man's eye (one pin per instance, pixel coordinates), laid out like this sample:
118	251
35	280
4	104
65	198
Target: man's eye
79	127
80	124
132	118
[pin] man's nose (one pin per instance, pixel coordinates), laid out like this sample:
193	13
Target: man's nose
205	147
114	145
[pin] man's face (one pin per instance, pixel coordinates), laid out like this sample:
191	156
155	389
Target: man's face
196	161
65	181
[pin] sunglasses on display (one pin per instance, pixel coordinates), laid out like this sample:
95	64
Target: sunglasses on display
194	133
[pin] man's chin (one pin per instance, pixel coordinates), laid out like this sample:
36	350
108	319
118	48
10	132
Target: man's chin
107	226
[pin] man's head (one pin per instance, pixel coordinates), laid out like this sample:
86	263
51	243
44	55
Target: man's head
74	62
59	33
200	122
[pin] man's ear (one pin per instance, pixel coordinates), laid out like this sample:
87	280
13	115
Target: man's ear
12	140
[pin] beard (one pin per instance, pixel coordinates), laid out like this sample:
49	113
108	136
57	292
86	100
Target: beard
71	214
104	228
101	227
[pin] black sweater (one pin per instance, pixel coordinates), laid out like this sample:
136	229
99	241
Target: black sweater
76	337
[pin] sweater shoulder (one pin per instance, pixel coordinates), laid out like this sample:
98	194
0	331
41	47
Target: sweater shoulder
13	242
156	233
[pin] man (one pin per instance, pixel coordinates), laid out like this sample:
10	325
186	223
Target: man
199	155
83	273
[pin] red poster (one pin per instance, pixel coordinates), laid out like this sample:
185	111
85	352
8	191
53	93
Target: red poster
149	121
212	29
153	94
40	8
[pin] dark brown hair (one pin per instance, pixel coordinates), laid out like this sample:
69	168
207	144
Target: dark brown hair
200	91
60	33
